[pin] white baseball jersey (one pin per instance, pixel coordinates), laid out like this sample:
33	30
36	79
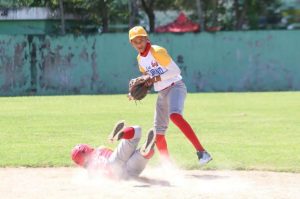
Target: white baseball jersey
158	62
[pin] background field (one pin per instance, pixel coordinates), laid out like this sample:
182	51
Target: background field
241	130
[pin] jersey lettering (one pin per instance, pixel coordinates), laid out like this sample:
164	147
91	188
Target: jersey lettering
155	71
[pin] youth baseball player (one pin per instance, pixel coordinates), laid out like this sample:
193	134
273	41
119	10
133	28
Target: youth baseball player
157	65
122	163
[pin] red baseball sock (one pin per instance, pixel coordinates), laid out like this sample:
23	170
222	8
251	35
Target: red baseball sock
128	133
162	146
187	130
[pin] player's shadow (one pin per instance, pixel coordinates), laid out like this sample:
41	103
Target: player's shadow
150	182
206	177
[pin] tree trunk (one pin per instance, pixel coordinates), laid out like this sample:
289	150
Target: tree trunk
104	16
61	7
150	12
133	10
200	15
215	13
240	14
152	21
237	13
241	20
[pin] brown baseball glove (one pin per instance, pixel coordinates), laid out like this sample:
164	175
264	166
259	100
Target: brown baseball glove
139	87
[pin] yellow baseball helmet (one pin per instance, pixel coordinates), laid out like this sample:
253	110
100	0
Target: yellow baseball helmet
137	31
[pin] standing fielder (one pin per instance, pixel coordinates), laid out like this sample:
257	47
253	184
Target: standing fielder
125	161
156	64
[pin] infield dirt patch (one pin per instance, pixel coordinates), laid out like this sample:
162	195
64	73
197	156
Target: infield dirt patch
71	183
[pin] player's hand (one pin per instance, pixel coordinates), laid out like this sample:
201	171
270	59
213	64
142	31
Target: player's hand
148	80
146	77
151	81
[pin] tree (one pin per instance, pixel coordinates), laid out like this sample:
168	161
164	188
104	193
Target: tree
133	10
61	8
14	3
148	6
247	12
230	14
200	14
96	11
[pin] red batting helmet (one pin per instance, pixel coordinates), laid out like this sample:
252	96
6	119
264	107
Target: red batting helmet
80	153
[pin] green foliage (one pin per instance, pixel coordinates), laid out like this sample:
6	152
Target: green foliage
28	3
174	5
95	14
99	13
14	3
246	14
230	15
257	131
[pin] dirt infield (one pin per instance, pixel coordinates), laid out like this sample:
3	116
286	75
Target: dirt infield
70	183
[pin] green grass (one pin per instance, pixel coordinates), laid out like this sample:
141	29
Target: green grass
259	131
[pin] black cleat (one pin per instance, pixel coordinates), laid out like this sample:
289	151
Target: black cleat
117	131
149	143
204	157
